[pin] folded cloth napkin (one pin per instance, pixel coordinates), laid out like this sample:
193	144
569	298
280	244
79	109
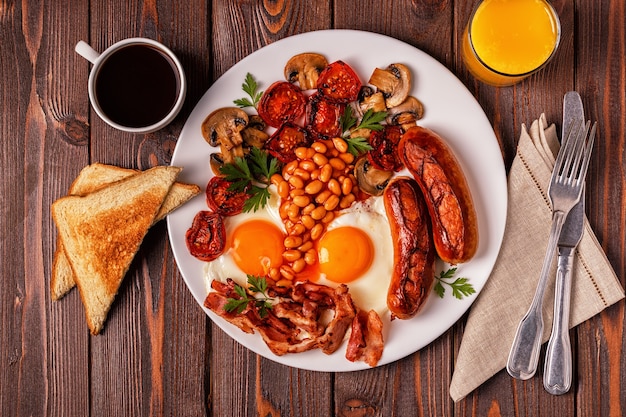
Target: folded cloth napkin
506	296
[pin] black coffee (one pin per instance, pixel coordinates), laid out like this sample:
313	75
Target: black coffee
137	86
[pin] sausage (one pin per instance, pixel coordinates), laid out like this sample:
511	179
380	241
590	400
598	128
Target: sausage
413	247
440	177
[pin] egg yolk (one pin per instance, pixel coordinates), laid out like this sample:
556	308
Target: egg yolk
345	253
257	246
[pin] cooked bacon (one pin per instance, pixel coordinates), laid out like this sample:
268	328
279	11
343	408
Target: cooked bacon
336	329
294	312
366	340
320	294
294	324
217	299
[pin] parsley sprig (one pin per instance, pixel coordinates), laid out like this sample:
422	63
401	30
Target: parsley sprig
252	175
371	120
358	145
461	287
256	285
249	87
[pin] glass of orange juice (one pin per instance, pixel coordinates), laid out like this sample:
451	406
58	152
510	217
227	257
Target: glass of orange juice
507	40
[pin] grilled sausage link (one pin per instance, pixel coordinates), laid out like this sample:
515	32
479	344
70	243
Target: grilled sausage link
413	248
445	189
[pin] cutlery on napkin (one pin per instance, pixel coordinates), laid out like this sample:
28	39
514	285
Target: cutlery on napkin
557	373
503	301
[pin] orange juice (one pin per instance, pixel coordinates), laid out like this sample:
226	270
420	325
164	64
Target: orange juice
507	40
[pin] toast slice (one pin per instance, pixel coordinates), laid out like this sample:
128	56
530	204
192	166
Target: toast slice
92	178
102	232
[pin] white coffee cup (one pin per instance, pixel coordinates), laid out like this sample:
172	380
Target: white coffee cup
136	85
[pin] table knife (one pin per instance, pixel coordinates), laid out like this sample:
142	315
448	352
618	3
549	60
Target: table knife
557	375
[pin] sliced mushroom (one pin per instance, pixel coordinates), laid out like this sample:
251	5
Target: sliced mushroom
305	69
254	134
394	82
365	92
406	114
375	102
223	128
371	180
216	161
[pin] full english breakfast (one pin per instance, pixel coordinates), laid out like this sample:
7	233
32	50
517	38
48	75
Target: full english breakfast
328	208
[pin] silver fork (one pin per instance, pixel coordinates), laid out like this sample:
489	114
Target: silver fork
565	190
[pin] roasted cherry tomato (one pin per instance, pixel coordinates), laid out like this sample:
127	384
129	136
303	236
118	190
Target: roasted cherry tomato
323	117
384	154
339	83
282	102
221	200
206	238
283	143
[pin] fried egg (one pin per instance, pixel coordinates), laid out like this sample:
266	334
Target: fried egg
254	244
356	249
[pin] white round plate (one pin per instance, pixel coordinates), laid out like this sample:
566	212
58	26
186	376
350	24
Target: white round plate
450	110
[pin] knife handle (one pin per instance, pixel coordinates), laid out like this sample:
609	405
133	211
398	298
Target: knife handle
557	375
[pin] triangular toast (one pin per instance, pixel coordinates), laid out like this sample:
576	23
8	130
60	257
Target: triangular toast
102	232
90	179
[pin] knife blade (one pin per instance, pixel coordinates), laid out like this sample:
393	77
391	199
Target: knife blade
557	376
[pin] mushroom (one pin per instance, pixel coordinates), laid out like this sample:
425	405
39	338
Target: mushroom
216	161
406	114
305	68
223	127
370	99
394	82
369	179
254	134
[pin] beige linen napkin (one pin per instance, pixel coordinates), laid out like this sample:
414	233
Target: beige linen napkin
504	300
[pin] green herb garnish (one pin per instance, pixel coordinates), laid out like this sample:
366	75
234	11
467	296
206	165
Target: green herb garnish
252	175
371	120
358	145
249	87
256	285
460	286
347	120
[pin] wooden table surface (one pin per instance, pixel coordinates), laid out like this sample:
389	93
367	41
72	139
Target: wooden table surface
159	353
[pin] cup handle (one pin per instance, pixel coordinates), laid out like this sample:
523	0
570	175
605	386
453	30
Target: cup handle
83	49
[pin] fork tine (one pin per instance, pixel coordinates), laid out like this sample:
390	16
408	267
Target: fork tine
572	168
563	159
580	153
587	153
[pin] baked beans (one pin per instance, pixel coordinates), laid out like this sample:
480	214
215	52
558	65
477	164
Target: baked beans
312	188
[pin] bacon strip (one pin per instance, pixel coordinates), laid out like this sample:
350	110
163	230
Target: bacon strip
366	340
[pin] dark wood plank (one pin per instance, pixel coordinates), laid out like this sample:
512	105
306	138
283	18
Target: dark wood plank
21	300
67	112
39	115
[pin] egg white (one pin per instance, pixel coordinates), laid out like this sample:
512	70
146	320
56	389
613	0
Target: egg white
369	291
